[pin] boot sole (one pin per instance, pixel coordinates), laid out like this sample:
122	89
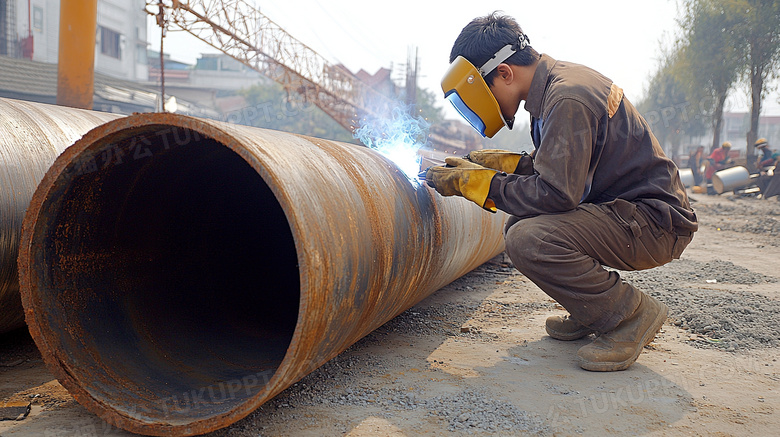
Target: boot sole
646	339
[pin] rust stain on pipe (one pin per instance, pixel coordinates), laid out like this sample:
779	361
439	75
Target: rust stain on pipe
177	273
31	137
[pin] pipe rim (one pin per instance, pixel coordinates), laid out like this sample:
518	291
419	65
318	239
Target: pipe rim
30	294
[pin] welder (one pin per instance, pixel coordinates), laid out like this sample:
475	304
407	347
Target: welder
596	191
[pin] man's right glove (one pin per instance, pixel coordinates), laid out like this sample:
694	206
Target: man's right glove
503	160
463	178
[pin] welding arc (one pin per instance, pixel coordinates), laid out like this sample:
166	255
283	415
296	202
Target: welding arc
176	291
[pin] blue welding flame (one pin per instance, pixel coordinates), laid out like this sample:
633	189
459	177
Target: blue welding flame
397	136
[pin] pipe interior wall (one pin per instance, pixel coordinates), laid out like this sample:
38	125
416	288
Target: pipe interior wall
32	135
175	290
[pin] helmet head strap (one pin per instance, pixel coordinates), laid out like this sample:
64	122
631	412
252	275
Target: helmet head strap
503	54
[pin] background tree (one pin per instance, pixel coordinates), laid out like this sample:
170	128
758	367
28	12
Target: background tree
428	106
269	106
710	59
760	31
667	108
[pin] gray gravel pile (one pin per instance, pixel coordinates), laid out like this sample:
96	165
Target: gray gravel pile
478	411
440	319
684	270
742	215
733	206
729	320
762	225
338	385
311	391
322	385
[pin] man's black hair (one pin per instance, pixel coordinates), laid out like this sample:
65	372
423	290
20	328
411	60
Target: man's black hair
484	36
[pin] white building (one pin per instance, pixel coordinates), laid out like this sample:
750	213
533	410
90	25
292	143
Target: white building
120	49
220	71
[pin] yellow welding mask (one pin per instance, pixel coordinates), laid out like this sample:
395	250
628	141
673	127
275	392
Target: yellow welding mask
465	87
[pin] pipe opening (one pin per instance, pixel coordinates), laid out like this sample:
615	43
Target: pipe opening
168	274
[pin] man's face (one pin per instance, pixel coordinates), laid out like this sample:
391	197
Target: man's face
505	93
506	102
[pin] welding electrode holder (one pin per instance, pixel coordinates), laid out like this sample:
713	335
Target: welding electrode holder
421	175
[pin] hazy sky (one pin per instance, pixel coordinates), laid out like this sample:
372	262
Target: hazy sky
620	39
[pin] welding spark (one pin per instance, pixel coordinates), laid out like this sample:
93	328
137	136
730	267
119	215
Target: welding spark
398	137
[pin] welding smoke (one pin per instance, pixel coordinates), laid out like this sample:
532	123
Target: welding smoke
397	135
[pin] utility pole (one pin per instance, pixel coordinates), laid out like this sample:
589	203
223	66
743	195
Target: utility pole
411	76
163	23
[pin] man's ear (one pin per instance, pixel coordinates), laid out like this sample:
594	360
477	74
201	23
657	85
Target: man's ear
505	73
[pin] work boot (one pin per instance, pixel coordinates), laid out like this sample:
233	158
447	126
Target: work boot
619	348
565	328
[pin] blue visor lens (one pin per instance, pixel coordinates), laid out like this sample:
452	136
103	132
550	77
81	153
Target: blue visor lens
466	112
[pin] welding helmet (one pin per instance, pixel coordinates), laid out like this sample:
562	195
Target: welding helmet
465	87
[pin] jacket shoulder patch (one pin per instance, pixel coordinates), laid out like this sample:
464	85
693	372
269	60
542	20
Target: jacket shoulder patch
614	99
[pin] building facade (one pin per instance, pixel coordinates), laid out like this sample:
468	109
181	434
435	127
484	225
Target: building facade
30	29
734	130
736	125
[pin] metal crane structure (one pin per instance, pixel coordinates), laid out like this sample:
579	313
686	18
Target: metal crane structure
238	29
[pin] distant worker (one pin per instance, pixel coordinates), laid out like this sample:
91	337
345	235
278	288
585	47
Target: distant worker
769	181
695	163
765	158
718	160
598	191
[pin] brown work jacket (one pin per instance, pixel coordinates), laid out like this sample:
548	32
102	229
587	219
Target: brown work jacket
592	146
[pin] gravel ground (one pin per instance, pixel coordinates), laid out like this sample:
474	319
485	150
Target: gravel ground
741	214
724	319
473	359
698	293
354	379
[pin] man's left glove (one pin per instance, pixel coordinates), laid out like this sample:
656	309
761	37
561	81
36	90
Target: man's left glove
503	160
463	178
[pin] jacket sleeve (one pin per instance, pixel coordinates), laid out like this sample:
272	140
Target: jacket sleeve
561	165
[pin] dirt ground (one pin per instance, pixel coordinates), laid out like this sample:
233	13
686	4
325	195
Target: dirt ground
473	359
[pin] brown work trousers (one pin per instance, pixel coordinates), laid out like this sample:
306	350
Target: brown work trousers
564	255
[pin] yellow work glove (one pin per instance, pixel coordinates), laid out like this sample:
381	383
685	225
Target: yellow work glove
503	160
463	178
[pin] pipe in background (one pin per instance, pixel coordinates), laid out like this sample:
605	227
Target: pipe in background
32	135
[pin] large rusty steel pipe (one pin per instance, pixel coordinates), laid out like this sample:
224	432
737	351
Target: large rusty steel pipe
32	135
177	273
